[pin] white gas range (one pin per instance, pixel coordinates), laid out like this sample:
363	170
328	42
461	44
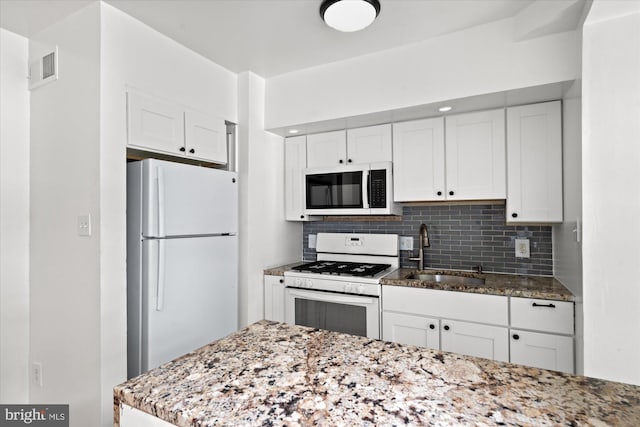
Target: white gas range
341	290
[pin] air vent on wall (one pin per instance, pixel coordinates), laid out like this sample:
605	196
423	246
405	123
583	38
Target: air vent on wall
43	70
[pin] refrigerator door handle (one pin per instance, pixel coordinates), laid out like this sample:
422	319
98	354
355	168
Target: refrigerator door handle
161	274
160	188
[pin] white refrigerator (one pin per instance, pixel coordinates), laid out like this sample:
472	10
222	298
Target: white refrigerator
182	260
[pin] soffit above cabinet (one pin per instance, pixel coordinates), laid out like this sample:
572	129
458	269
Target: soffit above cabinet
510	98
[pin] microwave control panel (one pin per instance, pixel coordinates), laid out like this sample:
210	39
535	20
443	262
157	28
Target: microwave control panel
378	188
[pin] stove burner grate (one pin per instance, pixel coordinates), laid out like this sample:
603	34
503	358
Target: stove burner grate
342	268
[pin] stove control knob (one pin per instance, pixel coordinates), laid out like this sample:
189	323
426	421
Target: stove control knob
297	282
347	287
361	289
309	283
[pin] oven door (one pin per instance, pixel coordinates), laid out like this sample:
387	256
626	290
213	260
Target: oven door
351	314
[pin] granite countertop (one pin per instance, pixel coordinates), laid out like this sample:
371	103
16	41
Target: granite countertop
279	270
495	284
272	374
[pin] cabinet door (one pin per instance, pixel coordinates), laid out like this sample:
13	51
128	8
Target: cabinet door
295	160
418	160
154	124
534	163
326	149
369	144
475	153
546	351
205	137
472	339
409	329
274	298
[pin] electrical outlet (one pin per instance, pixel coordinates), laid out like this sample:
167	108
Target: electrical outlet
406	243
36	374
522	248
312	241
84	225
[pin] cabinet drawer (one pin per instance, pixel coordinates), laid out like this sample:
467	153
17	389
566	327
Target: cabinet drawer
542	315
479	308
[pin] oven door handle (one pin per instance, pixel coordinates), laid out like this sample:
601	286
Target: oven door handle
329	297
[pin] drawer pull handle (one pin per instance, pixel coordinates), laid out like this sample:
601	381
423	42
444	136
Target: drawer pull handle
543	305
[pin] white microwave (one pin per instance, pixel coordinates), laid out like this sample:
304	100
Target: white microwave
364	189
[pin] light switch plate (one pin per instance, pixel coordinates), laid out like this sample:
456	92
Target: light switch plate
522	248
406	243
312	241
84	225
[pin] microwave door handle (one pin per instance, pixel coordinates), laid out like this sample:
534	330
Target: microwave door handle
367	190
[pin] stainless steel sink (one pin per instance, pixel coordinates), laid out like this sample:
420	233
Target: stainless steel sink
445	278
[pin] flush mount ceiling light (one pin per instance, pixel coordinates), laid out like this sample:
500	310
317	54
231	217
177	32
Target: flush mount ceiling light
445	108
349	15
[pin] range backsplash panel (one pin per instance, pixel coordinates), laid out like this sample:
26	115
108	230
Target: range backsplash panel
461	237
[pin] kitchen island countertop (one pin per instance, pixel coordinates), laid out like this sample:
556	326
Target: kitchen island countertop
276	374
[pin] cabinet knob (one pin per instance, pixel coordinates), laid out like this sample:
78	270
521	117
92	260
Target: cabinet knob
301	216
192	151
514	215
439	193
446	327
341	161
349	161
281	280
432	326
451	193
182	149
516	336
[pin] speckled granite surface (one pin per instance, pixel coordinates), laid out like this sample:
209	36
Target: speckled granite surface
495	284
279	271
272	374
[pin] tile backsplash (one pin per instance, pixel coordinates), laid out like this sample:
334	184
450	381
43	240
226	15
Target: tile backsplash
461	237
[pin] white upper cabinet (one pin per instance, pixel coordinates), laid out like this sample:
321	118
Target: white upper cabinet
418	160
369	144
154	124
534	163
361	145
326	149
205	137
295	160
475	156
165	127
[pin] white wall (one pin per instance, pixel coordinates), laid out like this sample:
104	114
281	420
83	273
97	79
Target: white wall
64	178
476	61
611	190
14	219
266	239
134	55
567	251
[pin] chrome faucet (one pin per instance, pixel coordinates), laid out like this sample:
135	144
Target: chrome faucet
423	242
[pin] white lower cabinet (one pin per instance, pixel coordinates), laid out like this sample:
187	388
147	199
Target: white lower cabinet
546	351
274	298
534	332
473	339
410	329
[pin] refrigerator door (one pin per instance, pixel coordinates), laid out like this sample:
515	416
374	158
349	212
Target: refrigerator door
186	200
190	295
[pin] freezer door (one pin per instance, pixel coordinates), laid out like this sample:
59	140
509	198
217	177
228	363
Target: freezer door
190	295
186	200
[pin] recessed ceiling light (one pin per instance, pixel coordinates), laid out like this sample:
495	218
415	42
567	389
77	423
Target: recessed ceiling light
349	15
293	131
445	108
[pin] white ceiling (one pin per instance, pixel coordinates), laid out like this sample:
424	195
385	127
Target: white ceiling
271	37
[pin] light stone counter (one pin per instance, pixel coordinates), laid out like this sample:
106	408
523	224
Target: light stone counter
495	284
272	374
